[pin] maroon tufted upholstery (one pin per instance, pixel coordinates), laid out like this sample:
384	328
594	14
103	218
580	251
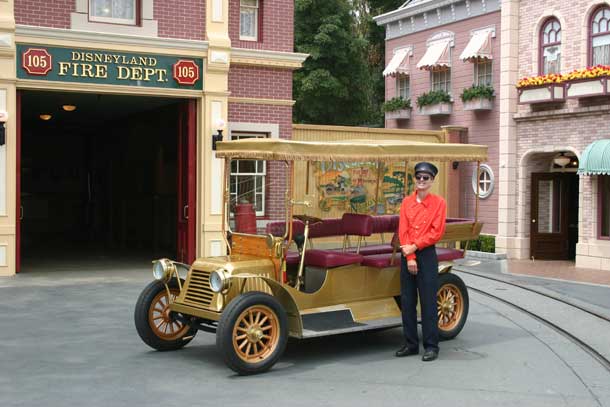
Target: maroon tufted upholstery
381	260
356	224
330	227
329	258
292	257
278	228
385	223
444	254
373	249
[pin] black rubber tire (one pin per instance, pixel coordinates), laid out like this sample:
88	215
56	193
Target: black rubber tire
450	278
142	323
228	319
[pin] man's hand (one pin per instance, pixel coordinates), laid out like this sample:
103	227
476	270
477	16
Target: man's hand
408	249
412	266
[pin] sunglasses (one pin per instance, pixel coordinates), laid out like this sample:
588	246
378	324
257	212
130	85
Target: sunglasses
423	177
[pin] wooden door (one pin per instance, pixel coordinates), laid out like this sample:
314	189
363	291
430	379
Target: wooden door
187	178
549	216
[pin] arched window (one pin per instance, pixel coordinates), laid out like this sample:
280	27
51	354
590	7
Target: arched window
550	47
600	37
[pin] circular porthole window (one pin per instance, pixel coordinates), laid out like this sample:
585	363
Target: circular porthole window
485	180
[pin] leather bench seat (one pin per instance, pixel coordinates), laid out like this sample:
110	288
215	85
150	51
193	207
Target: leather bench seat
372	249
292	257
330	258
383	260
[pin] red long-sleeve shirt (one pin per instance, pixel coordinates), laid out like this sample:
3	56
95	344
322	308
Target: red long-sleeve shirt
421	223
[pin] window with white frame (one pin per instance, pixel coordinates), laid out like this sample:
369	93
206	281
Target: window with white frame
550	51
482	72
248	20
485	179
600	37
113	11
403	87
441	79
248	178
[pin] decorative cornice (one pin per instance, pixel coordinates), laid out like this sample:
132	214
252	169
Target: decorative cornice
44	35
277	59
261	101
412	10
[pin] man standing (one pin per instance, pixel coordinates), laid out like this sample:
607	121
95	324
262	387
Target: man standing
422	224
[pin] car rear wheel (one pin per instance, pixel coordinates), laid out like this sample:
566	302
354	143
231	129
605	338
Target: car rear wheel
452	305
252	333
155	323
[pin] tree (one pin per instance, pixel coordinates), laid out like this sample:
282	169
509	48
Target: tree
331	88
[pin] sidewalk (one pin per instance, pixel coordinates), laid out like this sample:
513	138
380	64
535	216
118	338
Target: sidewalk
560	270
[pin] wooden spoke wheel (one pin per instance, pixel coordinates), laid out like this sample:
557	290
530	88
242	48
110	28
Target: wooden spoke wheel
161	322
452	305
154	322
256	333
252	333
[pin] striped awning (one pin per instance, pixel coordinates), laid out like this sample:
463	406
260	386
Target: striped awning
399	64
479	46
596	159
436	56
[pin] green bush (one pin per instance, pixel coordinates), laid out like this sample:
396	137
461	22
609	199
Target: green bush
485	243
396	104
475	92
433	97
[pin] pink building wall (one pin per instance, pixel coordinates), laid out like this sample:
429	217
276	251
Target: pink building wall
482	126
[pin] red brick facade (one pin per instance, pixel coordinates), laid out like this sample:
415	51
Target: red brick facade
276	26
482	126
276	174
180	19
268	83
49	13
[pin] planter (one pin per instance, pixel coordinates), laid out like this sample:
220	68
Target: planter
479	104
402	114
438	109
549	93
584	88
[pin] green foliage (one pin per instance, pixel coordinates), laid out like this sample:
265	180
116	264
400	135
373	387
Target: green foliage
433	97
485	243
478	91
397	103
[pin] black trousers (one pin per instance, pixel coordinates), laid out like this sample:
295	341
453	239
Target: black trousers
425	282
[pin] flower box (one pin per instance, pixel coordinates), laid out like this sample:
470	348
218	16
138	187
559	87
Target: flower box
402	114
548	93
479	104
437	109
583	88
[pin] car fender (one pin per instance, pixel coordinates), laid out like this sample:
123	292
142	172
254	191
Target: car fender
295	324
444	267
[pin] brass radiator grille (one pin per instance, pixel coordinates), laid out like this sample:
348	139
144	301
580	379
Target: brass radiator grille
198	290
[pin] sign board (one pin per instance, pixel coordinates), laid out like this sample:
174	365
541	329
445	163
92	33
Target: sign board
108	67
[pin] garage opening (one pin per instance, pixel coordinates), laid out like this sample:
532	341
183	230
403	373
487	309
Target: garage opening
101	177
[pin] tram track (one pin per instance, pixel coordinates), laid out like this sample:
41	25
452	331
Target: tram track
589	348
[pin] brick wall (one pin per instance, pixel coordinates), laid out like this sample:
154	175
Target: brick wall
48	13
275	30
268	83
276	171
482	126
180	19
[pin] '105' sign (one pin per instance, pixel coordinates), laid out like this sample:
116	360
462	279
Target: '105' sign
37	61
186	72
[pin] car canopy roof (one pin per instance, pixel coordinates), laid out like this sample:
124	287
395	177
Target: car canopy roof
349	150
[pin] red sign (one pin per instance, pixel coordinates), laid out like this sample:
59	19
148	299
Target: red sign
37	61
186	72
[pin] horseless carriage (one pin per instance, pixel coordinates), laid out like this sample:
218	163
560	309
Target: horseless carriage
277	285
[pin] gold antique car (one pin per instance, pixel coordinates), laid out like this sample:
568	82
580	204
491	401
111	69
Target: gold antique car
263	291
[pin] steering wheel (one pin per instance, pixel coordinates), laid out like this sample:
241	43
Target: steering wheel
306	218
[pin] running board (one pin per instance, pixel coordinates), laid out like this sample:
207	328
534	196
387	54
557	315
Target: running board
342	322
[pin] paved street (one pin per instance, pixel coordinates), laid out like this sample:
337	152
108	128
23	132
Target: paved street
67	338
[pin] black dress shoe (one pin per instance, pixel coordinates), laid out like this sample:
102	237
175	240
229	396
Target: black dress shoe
430	355
406	351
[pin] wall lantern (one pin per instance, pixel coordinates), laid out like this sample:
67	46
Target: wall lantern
218	136
3	119
562	160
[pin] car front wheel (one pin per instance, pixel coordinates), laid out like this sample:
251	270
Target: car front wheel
155	323
252	333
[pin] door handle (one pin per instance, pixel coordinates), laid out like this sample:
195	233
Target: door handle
533	220
185	212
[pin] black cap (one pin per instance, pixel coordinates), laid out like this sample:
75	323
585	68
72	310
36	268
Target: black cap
426	167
